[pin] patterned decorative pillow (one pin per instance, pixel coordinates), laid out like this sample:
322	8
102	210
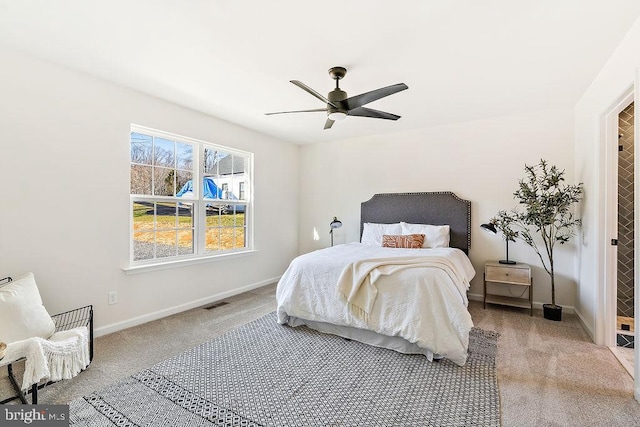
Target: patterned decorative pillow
410	241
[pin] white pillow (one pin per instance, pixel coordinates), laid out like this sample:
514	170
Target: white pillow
372	232
22	314
435	236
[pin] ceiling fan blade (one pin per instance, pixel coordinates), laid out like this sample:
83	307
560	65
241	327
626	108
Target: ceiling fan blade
370	112
313	92
365	98
328	124
298	111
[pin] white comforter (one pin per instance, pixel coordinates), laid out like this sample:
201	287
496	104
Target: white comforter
423	305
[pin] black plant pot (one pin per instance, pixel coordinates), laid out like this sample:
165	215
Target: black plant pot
552	312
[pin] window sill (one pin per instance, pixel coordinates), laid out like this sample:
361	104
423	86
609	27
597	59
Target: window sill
143	268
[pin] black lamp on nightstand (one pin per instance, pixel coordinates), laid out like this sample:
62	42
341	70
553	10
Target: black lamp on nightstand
490	228
333	225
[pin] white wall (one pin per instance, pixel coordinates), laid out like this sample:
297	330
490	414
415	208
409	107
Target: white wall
64	214
481	161
615	78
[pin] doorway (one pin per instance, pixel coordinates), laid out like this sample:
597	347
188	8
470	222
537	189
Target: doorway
620	234
625	283
607	300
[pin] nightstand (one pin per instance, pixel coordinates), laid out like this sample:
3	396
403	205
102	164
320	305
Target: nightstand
517	275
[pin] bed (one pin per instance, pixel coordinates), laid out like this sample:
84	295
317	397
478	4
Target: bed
409	300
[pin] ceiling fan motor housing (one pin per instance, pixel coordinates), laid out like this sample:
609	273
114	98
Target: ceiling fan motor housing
336	96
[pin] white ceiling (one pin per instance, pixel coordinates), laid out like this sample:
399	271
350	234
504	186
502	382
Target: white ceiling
462	59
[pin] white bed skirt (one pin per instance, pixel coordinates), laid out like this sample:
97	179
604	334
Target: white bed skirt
398	344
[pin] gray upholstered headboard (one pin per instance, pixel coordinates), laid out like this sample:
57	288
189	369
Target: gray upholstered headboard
436	208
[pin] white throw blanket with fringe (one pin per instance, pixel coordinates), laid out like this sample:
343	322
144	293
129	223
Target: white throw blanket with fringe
61	357
357	283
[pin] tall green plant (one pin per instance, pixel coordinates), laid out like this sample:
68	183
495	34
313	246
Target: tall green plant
546	209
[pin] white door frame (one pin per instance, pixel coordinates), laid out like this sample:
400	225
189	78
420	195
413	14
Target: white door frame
636	240
611	230
611	216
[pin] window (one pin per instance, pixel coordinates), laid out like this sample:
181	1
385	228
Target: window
188	198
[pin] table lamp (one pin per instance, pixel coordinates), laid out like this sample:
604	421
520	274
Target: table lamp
333	225
490	228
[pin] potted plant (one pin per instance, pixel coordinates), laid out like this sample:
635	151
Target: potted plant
546	204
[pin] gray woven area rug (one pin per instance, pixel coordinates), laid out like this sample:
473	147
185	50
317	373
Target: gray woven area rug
265	374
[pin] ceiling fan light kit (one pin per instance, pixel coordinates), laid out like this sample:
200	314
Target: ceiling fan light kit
337	115
340	106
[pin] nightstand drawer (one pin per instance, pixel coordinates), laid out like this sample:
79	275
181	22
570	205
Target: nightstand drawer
518	274
507	275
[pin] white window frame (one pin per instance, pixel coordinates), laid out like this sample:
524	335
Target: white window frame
199	217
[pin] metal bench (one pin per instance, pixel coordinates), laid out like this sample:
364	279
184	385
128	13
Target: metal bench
82	316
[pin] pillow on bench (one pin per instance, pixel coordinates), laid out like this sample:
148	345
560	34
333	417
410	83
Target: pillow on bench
22	314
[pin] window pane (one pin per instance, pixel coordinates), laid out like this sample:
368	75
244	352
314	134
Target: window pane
164	153
141	148
143	246
163	180
240	165
226	238
212	241
166	216
241	192
143	217
184	156
166	235
166	244
185	215
240	233
141	179
225	164
210	161
213	218
232	172
185	231
235	216
210	188
185	242
184	185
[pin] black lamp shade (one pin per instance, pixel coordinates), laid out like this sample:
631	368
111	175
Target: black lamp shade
336	223
489	228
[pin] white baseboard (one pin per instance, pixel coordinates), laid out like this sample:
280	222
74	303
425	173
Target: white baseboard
585	326
475	297
118	326
569	309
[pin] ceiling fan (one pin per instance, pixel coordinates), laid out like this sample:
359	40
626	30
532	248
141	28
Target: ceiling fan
339	106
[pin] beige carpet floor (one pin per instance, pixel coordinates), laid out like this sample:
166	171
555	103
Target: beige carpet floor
549	373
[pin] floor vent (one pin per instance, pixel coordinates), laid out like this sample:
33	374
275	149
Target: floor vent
215	305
